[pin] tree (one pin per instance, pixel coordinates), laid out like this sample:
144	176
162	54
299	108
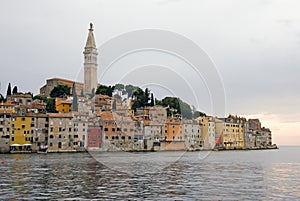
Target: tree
198	114
60	91
2	99
8	93
119	87
42	98
105	90
146	97
158	102
186	111
15	90
50	105
152	103
129	89
114	105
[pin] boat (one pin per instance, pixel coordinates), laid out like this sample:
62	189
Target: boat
42	149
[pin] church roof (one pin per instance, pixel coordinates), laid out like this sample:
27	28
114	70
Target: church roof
91	39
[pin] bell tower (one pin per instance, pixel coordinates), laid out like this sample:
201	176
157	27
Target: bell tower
90	63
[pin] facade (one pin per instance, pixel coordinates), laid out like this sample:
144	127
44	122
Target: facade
5	132
90	64
232	132
21	133
174	134
54	82
208	129
20	99
61	132
192	134
63	105
94	137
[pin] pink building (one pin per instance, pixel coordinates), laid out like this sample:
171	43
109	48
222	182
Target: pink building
94	137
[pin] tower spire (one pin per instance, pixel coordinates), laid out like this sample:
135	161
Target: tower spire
90	63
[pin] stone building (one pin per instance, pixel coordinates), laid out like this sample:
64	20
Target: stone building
192	134
54	82
61	132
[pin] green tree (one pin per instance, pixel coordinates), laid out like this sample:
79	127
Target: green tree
158	102
15	90
60	91
50	105
197	114
129	89
2	99
42	98
119	87
8	92
152	103
105	90
186	111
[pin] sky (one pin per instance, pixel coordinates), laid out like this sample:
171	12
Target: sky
253	44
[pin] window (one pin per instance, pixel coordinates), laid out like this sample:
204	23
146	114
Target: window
51	136
12	132
59	136
105	129
23	126
51	144
12	138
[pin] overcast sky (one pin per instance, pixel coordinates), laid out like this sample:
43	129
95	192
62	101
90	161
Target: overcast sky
254	44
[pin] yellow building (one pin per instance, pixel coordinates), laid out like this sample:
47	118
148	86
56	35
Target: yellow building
208	131
20	136
63	105
233	135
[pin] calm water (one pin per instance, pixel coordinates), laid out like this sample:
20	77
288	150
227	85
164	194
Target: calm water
234	175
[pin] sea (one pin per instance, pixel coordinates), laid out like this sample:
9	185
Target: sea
204	175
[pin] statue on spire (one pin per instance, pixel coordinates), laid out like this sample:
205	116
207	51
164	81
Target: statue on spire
91	26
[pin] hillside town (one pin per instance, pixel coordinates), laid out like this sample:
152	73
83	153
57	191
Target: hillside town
70	116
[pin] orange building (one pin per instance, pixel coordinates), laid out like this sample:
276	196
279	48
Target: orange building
174	134
63	105
7	108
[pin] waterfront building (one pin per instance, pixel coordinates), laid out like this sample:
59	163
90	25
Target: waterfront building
118	131
81	123
5	119
61	132
174	134
95	137
90	63
233	132
21	133
208	131
192	134
39	129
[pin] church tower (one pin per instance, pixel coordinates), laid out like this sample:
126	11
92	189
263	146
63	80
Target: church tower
90	64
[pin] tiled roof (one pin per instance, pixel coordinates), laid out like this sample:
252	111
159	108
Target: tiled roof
61	115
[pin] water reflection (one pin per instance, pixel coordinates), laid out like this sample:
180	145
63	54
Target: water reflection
237	175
